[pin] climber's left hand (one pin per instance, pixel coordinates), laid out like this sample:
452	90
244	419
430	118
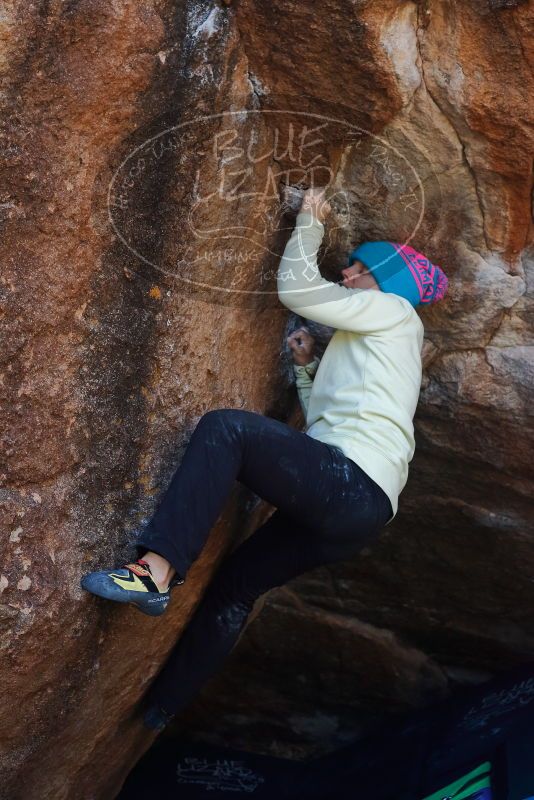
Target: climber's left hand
302	346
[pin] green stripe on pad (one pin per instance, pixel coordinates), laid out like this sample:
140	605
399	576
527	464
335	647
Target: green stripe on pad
466	786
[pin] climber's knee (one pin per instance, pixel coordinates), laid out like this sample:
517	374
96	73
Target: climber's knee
211	418
220	418
228	422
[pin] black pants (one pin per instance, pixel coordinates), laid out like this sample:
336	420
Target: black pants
327	509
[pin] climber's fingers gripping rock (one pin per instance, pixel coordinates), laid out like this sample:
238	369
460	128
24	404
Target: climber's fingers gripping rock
302	346
314	200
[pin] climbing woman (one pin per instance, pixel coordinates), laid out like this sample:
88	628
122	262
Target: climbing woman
333	486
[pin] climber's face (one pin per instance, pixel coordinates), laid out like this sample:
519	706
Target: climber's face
357	276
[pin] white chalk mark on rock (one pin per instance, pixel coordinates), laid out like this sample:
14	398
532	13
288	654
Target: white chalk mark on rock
14	536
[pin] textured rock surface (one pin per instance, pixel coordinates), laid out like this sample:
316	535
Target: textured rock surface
113	238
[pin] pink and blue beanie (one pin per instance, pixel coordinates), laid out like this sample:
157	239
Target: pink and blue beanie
400	269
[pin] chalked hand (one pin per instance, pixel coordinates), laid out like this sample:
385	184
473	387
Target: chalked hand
302	345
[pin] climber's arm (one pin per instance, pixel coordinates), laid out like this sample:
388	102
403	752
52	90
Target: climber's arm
302	288
305	363
304	375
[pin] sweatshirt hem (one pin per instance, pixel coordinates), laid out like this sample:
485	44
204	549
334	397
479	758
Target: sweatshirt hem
377	466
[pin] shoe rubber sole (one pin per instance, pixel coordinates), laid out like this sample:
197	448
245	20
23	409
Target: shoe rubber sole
150	603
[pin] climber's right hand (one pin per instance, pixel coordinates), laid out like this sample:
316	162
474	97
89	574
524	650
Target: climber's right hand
302	346
314	200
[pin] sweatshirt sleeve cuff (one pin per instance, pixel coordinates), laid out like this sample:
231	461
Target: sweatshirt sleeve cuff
301	370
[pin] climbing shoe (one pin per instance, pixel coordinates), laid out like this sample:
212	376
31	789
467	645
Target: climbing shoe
132	583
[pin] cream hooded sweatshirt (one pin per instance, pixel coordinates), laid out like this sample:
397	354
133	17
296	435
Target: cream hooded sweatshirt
362	395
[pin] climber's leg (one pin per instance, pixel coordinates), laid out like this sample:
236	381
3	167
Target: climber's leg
284	466
274	460
278	551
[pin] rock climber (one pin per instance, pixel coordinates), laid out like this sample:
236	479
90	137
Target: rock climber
334	486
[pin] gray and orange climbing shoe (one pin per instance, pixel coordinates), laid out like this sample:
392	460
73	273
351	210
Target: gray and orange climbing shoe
132	583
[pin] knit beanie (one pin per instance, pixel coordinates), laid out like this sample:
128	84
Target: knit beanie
400	269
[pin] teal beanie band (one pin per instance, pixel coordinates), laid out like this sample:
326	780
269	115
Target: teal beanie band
401	270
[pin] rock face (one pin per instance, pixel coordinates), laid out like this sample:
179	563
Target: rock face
143	145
